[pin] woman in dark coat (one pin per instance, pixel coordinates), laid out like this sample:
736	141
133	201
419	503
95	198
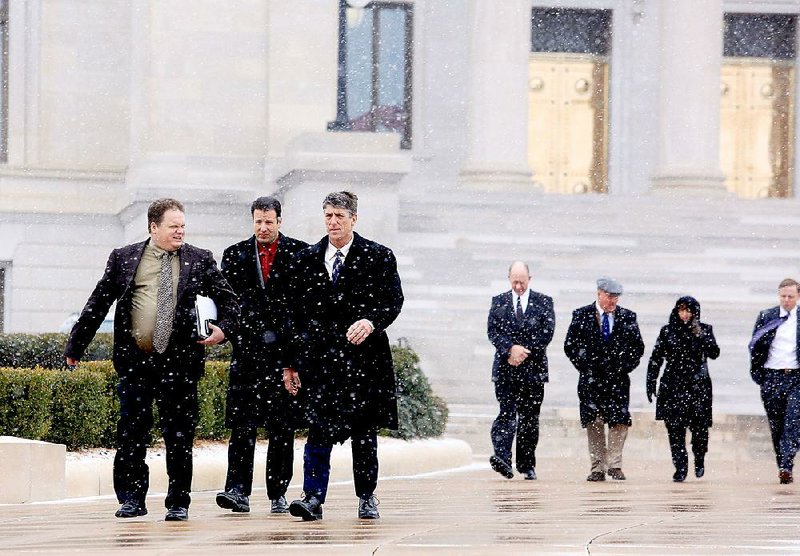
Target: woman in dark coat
684	395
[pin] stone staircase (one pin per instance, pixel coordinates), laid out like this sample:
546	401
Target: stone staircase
454	250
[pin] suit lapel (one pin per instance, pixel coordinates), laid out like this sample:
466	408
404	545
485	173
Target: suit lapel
185	260
133	258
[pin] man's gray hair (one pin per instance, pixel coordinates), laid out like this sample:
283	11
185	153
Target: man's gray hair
523	263
343	200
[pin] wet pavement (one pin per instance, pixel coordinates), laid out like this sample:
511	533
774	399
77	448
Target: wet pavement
735	509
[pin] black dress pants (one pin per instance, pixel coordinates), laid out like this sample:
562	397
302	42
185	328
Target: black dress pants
520	404
317	463
677	444
241	452
155	377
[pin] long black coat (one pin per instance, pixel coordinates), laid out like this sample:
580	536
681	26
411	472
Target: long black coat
199	275
256	395
684	393
534	332
346	387
604	387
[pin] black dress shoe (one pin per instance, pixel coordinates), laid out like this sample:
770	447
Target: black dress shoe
234	501
699	471
530	475
785	477
679	476
596	476
616	474
309	508
368	508
501	467
279	506
177	513
131	508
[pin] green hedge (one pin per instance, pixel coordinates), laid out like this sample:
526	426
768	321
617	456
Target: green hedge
80	408
47	350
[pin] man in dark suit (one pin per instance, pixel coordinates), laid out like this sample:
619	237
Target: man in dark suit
157	353
604	344
346	292
258	270
775	367
521	325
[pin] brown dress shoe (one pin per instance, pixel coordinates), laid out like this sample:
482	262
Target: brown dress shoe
785	477
595	476
616	474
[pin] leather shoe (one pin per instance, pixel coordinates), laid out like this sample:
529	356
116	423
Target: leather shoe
501	467
699	471
309	508
679	476
616	474
596	476
131	508
368	508
234	501
530	475
785	477
177	513
279	506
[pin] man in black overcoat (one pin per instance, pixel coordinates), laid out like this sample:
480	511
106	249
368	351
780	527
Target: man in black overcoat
775	367
346	292
520	327
258	271
157	352
604	344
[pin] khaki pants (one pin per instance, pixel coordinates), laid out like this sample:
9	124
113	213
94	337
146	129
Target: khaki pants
610	457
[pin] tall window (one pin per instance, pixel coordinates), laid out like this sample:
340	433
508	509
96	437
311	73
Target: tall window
374	77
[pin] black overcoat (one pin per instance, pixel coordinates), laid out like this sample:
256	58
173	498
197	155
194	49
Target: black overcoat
256	395
346	387
684	393
759	350
534	332
603	383
198	275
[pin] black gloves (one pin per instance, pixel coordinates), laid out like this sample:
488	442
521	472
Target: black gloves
651	390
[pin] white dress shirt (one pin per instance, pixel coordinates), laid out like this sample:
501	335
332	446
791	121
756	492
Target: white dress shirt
330	255
523	299
610	317
783	350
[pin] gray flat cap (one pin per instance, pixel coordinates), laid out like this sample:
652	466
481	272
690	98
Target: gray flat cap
609	285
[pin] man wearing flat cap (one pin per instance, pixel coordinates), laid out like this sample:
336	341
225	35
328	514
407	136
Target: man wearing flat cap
604	344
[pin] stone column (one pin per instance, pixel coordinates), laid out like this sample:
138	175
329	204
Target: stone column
498	94
689	108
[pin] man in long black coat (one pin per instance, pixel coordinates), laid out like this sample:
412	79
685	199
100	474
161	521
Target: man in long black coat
520	326
604	344
258	271
775	367
346	292
157	353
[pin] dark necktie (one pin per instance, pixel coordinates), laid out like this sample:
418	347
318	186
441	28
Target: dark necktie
337	266
165	305
520	314
606	328
771	325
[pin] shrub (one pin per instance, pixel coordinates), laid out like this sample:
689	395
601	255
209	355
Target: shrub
421	413
81	408
47	350
25	399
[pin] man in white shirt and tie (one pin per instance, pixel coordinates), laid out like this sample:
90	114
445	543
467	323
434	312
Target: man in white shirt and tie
521	324
774	366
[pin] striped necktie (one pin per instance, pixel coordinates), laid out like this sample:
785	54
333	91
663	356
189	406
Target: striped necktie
337	266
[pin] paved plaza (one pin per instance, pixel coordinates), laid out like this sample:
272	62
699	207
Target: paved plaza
735	509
